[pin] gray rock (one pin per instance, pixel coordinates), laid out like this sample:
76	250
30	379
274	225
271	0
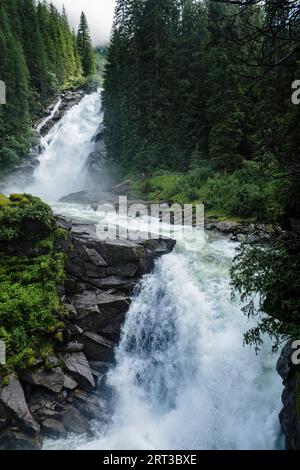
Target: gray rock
50	379
54	428
69	383
127	270
15	439
98	310
289	416
72	346
97	348
87	404
12	397
79	369
74	422
95	257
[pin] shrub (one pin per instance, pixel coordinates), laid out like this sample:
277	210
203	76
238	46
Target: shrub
29	296
23	216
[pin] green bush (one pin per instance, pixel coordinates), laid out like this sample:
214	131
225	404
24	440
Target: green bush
29	297
248	193
244	193
26	217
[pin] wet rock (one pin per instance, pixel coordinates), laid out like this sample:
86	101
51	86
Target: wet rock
53	428
289	416
97	347
114	282
98	310
127	270
72	346
74	422
12	397
69	383
95	258
87	404
52	380
79	369
100	366
15	439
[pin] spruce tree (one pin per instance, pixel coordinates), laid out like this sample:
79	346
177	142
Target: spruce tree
85	49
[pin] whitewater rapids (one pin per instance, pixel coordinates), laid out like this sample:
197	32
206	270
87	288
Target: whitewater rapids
183	379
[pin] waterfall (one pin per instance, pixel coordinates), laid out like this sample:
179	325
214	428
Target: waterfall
183	379
64	152
44	121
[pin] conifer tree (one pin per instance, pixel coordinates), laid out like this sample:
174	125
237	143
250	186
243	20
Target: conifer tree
85	49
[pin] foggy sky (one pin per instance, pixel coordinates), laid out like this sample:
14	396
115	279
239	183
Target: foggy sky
98	12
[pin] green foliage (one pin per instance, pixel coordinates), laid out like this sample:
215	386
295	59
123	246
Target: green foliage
84	47
39	58
29	296
246	193
267	281
173	97
23	216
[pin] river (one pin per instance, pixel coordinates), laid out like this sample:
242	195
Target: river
183	379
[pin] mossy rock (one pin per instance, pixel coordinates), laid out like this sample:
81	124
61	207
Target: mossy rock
4	201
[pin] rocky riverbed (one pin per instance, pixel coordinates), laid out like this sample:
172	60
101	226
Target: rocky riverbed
61	394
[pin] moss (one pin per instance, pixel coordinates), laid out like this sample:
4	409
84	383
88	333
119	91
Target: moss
61	234
29	295
46	244
25	217
4	201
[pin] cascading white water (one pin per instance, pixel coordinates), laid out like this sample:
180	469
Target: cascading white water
44	121
183	379
65	149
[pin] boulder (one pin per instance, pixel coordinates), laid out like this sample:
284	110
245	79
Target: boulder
289	416
99	310
12	397
71	347
53	428
97	348
74	422
14	439
52	379
69	383
87	404
79	369
126	270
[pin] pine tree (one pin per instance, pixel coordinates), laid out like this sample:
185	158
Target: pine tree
38	58
84	45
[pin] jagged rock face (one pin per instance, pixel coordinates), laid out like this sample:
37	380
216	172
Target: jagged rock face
96	161
66	395
290	414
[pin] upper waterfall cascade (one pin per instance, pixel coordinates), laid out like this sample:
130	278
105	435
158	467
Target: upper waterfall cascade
64	151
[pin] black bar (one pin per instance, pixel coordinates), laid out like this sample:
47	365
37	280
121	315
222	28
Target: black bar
133	459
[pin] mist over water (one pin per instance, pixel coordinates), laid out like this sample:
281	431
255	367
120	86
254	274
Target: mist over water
64	152
182	379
